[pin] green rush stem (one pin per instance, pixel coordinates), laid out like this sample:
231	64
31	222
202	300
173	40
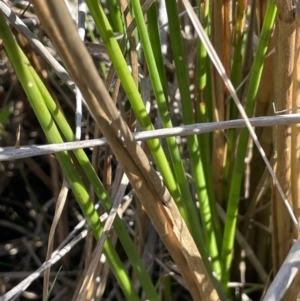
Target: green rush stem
209	229
34	89
236	76
238	169
133	95
103	196
185	203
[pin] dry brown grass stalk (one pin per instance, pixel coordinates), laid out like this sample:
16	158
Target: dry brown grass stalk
284	66
221	40
155	198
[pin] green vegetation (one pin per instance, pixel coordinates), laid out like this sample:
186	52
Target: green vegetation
142	88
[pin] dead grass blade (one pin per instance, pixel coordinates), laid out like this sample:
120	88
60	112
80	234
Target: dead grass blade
283	93
153	195
90	274
285	275
61	200
221	16
295	143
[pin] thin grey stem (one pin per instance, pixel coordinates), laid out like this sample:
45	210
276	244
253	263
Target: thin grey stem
11	153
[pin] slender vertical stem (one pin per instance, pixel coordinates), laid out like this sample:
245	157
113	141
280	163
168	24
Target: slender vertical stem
284	66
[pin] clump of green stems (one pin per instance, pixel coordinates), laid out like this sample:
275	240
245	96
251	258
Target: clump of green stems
214	243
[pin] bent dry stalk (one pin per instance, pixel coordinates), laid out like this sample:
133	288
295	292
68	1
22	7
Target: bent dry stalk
156	200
